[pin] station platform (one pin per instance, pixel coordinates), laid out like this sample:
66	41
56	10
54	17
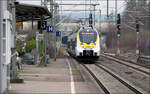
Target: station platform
60	76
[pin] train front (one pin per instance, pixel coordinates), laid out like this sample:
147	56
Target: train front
88	43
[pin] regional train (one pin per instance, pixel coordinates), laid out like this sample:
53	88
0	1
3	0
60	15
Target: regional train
85	43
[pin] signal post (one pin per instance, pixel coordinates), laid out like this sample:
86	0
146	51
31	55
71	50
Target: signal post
118	33
90	20
137	36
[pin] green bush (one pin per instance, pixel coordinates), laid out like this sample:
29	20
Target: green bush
30	45
40	47
19	46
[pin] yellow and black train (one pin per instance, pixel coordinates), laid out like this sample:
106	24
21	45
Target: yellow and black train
85	43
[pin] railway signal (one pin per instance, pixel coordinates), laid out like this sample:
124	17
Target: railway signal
118	33
118	19
137	24
137	34
118	24
90	19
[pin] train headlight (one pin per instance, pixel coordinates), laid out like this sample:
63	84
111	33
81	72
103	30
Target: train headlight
82	45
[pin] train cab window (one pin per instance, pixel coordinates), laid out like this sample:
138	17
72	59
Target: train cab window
88	36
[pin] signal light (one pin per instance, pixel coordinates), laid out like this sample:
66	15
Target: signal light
118	27
90	19
137	24
118	31
118	19
118	24
137	27
137	19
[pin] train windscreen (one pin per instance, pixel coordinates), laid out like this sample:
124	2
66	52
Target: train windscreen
88	36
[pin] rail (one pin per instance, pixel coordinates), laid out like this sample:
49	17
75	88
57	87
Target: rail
119	79
122	81
97	80
134	66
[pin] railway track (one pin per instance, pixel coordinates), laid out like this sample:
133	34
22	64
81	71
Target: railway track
97	80
103	87
130	87
119	79
132	65
141	61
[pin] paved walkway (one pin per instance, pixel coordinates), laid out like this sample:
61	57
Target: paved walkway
53	79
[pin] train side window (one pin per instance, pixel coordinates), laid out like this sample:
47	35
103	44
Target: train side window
75	41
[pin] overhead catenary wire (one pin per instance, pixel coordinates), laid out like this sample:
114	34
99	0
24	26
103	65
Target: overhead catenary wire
70	0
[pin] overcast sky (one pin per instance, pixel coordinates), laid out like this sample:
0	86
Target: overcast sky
102	6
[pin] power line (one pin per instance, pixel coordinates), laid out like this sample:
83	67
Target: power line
68	0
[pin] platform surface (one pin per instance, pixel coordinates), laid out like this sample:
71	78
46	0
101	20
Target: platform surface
53	79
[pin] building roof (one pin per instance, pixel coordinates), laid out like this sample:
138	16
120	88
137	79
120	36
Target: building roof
26	12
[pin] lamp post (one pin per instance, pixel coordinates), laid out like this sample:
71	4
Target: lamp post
137	29
94	5
0	46
107	8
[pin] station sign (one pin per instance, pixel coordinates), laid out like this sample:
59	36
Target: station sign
49	29
40	36
42	25
58	33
